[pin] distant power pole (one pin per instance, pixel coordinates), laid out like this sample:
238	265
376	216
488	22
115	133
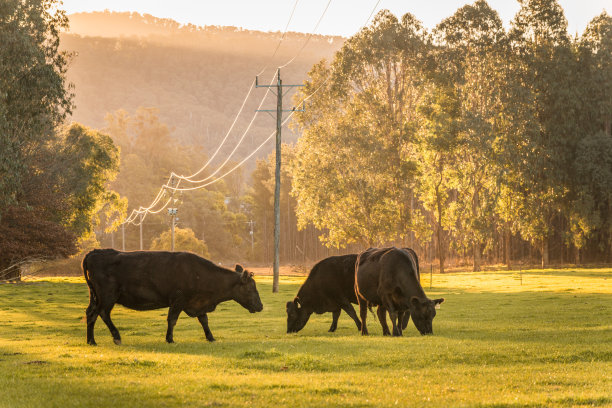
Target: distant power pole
123	237
172	213
251	222
141	218
279	120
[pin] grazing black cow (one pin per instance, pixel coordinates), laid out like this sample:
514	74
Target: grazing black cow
330	287
146	280
388	277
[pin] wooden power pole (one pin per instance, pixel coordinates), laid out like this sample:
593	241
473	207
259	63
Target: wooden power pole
277	173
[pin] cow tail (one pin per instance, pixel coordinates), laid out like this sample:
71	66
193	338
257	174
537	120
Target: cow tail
93	298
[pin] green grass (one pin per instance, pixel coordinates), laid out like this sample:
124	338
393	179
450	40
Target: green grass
497	343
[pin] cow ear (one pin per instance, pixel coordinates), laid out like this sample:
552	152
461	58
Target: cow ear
244	278
239	268
297	303
437	302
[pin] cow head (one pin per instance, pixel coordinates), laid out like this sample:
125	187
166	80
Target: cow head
422	311
245	292
297	316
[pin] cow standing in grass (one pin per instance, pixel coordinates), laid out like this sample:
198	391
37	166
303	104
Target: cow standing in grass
330	287
147	280
388	278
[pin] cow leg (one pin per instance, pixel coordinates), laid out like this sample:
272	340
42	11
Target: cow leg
363	313
394	321
400	322
335	316
92	316
382	318
173	314
105	315
387	301
350	310
204	322
405	319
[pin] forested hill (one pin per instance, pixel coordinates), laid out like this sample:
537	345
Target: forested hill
196	76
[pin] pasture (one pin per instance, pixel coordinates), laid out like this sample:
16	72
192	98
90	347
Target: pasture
496	343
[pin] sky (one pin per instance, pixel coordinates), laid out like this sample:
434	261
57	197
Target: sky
343	17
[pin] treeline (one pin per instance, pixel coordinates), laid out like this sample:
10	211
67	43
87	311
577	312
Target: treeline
469	141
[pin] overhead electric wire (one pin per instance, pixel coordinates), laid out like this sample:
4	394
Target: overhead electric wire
190	178
309	36
272	134
167	187
250	154
147	210
187	178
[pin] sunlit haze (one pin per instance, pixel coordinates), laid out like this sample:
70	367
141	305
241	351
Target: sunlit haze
344	17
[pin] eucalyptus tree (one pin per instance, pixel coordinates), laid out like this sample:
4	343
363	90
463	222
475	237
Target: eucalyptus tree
539	37
34	94
473	40
436	148
591	212
354	169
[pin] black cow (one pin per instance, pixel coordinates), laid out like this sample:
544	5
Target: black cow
388	277
330	287
146	280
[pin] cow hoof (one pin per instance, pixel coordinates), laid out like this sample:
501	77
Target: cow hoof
211	339
332	330
170	341
92	343
117	341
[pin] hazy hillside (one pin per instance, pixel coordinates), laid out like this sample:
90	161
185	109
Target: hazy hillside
196	76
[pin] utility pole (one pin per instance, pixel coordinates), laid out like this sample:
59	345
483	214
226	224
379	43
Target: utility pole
279	120
172	213
251	222
141	217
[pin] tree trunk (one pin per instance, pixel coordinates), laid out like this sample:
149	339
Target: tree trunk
507	238
477	260
544	252
577	259
441	254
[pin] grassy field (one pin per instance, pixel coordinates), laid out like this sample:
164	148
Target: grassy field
496	343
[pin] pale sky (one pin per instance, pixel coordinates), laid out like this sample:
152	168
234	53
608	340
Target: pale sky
344	17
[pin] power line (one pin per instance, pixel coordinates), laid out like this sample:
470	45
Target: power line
244	101
167	187
309	37
189	179
272	134
146	210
